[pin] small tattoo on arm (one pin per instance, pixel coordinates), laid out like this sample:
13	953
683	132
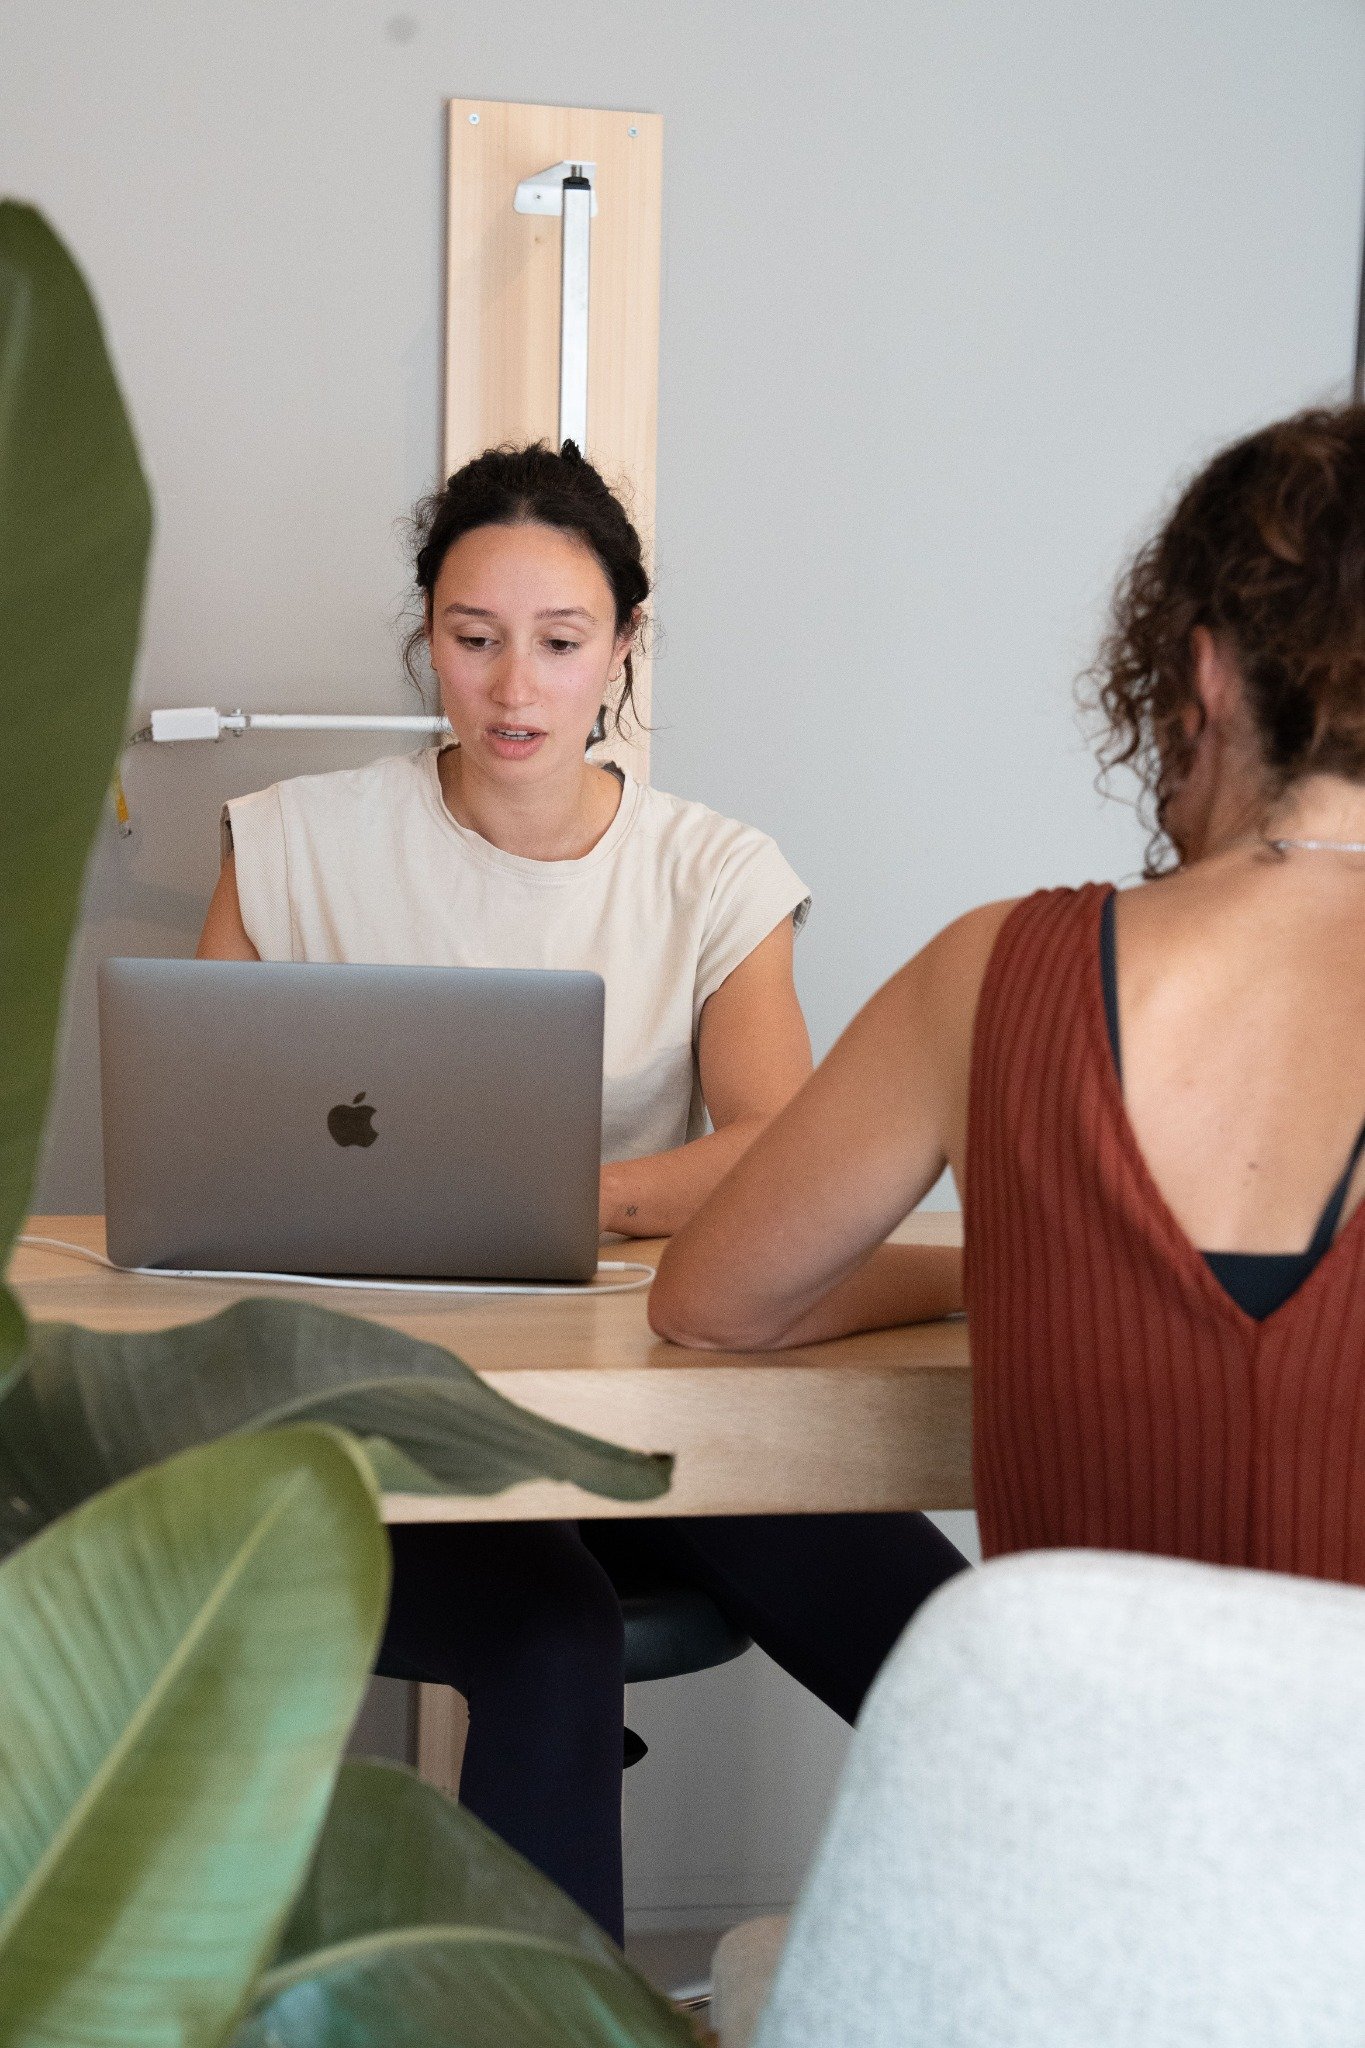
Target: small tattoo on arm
631	1210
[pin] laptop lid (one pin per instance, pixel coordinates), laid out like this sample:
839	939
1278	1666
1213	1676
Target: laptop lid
424	1122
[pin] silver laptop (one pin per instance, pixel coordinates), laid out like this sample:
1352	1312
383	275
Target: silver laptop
423	1122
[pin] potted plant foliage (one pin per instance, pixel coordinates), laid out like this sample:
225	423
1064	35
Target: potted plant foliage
195	1570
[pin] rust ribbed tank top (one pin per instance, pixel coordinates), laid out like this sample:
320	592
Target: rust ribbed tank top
1122	1400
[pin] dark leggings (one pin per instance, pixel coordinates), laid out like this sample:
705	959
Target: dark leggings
523	1619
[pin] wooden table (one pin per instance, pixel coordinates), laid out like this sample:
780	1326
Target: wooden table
870	1422
881	1421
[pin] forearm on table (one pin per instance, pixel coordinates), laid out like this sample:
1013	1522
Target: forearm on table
900	1283
896	1284
654	1196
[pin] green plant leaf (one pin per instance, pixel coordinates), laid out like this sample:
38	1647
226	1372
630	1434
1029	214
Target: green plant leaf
182	1659
84	1407
75	526
417	1925
395	1852
465	1987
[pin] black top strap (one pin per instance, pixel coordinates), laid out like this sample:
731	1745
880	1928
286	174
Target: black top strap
1331	1215
1109	979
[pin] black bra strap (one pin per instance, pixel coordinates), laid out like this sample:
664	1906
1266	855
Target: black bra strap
1331	1215
1109	979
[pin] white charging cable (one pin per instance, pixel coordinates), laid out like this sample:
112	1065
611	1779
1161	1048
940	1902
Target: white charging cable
646	1273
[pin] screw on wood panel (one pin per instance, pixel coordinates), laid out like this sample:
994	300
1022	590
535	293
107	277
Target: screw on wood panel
473	120
632	131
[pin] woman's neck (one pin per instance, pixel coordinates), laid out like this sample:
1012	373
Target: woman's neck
1324	808
1240	813
562	819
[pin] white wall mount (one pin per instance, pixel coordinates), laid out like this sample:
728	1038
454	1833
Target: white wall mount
570	190
544	193
205	722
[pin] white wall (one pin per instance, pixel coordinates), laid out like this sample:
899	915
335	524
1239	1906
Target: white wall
952	293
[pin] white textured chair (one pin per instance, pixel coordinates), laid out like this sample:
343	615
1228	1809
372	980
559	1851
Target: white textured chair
1094	1801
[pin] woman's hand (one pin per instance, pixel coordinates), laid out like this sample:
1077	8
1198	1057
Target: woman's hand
791	1247
753	1053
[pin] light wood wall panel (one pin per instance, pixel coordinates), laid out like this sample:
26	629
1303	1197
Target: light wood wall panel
502	300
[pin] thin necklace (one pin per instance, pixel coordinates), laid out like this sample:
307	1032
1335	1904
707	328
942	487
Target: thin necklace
1317	845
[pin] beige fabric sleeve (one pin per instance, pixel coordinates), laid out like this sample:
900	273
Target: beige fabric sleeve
754	891
253	832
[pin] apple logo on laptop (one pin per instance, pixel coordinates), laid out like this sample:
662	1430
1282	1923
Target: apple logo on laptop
351	1124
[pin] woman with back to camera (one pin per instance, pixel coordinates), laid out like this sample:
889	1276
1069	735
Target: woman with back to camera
1151	1100
508	848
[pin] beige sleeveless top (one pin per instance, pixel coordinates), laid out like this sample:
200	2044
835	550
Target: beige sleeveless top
368	865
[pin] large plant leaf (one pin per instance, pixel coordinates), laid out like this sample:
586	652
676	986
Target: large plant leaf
181	1660
417	1925
463	1987
395	1852
75	526
83	1407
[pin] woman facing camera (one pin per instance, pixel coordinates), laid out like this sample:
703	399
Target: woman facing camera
1151	1099
508	848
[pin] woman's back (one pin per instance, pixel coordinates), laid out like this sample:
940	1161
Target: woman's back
1241	993
1167	1302
1123	1397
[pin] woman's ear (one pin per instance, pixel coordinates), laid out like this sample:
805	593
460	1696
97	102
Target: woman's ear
1217	680
1220	788
625	639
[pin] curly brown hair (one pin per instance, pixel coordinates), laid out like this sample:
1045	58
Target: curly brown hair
1265	548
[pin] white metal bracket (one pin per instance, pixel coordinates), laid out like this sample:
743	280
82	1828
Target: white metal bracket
206	722
544	192
569	190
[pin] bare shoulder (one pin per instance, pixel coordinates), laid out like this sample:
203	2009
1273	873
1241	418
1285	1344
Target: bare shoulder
947	974
924	1015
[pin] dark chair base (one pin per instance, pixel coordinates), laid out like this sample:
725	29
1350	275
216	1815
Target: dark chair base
671	1630
634	1748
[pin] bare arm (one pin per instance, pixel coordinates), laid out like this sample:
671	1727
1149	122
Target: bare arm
753	1052
224	935
791	1248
